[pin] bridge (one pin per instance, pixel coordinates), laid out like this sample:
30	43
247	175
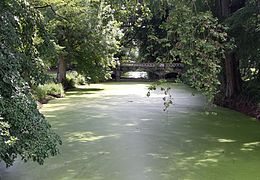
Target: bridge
160	69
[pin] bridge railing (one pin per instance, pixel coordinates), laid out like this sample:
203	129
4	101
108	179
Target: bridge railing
153	65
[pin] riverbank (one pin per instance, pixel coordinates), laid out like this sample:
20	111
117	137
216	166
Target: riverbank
240	105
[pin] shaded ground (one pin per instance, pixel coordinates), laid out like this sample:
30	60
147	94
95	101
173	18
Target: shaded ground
120	134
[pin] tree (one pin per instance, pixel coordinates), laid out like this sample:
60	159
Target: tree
241	65
168	31
200	42
232	81
85	32
214	39
245	28
23	129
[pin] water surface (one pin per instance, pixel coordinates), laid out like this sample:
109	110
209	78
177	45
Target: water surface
114	132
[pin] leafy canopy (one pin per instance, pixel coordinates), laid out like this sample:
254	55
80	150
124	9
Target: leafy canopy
169	31
23	129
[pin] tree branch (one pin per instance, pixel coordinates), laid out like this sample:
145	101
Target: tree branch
54	12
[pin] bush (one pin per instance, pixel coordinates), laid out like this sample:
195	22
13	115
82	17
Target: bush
252	90
40	93
81	80
52	89
73	79
55	90
69	83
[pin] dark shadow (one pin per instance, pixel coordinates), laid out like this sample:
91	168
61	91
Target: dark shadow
80	91
171	75
86	89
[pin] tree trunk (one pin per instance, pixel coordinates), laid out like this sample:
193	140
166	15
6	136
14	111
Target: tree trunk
61	74
223	8
232	76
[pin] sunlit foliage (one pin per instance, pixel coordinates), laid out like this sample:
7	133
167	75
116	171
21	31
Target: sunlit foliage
23	130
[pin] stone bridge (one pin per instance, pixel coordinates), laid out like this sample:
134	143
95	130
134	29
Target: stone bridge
160	69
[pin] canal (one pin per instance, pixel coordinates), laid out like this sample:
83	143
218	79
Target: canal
112	131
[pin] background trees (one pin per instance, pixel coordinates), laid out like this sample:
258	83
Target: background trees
244	25
86	35
169	31
218	41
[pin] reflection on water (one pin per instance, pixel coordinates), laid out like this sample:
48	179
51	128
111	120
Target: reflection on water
135	75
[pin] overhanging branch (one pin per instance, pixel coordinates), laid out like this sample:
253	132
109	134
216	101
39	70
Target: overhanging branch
54	12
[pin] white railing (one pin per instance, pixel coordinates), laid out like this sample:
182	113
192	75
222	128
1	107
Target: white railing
152	65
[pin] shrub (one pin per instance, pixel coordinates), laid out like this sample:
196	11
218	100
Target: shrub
252	90
55	90
51	76
40	93
73	79
52	89
81	79
69	83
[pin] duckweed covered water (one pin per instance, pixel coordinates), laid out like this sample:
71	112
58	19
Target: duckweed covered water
114	132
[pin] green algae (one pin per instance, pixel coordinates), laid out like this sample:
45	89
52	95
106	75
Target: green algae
113	131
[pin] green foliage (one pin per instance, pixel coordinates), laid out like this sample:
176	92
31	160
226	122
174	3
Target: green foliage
245	28
165	87
199	41
85	32
40	93
69	83
81	80
73	79
88	34
169	31
52	89
252	91
23	129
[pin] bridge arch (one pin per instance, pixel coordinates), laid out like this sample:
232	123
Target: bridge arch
171	75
